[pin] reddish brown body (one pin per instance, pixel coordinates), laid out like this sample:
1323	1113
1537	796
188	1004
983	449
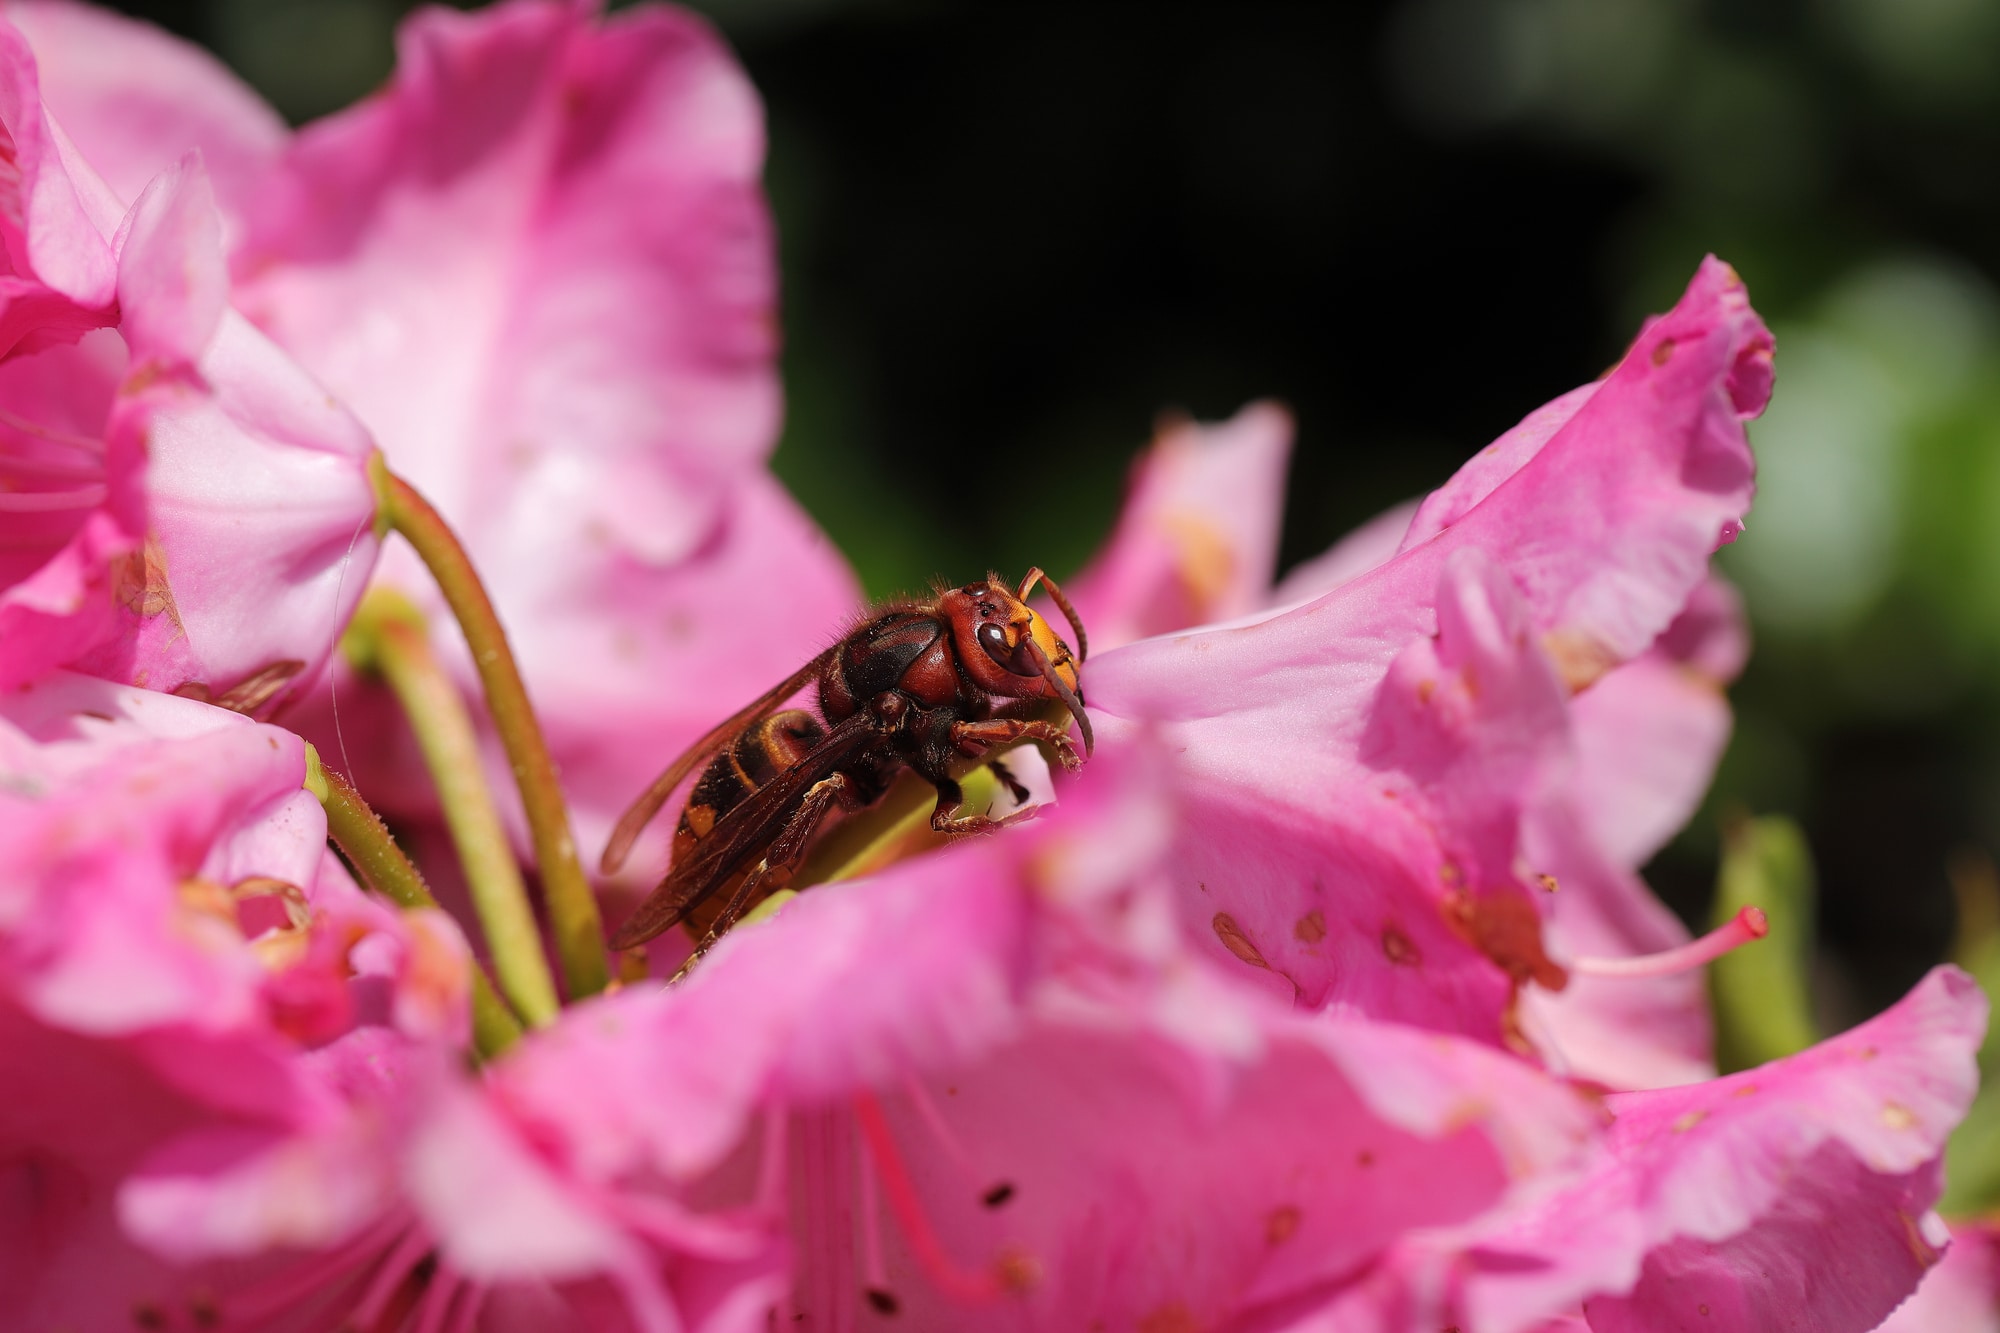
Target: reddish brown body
916	685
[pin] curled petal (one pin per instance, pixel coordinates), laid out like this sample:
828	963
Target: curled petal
1197	537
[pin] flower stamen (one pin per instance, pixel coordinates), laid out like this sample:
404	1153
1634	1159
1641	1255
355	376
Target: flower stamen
874	1272
1747	925
968	1285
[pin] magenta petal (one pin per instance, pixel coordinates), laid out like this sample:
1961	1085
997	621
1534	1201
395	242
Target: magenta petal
1390	736
1960	1295
1197	538
65	607
47	228
1729	1194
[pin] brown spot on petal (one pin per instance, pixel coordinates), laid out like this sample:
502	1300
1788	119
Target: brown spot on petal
1425	689
1018	1271
883	1302
140	583
1311	927
1920	1249
1450	875
1399	948
1280	1224
205	897
1689	1120
1507	929
1703	1309
147	1314
1548	882
1898	1116
1173	1317
1663	351
1579	659
1747	1090
1234	940
249	695
204	1311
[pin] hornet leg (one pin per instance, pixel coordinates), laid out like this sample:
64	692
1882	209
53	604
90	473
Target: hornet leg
776	864
978	737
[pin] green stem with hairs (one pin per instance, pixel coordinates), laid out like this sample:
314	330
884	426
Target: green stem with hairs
388	635
579	935
362	838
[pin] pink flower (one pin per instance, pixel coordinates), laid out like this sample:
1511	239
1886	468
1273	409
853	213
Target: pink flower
1357	770
196	512
539	267
213	1020
1960	1295
990	1087
1798	1193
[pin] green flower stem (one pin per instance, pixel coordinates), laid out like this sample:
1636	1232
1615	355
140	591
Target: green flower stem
388	635
579	935
1763	1002
361	837
1972	1161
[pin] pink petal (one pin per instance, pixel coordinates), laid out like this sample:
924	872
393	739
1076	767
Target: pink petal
540	267
1728	1193
65	607
48	232
1197	538
134	99
1650	733
255	485
1960	1295
1315	731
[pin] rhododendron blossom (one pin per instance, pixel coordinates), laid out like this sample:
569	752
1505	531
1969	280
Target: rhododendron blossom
1326	996
187	509
203	1013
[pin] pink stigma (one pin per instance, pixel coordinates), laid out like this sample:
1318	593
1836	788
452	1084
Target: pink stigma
1747	925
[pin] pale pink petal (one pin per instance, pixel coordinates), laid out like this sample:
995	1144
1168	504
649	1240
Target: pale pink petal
540	268
258	504
1649	734
134	99
1197	536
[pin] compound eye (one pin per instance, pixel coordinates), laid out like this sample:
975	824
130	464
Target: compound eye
994	640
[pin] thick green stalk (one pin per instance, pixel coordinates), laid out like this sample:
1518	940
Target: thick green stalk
1763	1001
579	935
364	840
388	635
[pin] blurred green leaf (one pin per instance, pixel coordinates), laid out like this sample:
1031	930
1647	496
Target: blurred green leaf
1972	1163
1763	1006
